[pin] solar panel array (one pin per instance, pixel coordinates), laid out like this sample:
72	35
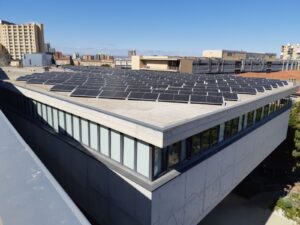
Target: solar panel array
152	86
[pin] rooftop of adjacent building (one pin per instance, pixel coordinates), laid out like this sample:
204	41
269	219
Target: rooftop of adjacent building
29	194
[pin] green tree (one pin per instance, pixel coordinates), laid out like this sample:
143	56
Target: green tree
294	123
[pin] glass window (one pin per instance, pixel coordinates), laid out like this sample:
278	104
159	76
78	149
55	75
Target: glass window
227	131
143	159
157	161
49	116
174	154
55	119
266	111
69	124
39	111
128	152
115	146
250	117
44	112
245	121
234	126
34	109
214	135
241	122
62	126
221	132
277	105
94	136
30	107
85	132
104	141
258	114
205	139
196	147
183	152
76	128
231	128
272	107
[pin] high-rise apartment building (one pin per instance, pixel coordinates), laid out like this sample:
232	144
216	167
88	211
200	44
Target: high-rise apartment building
19	39
290	51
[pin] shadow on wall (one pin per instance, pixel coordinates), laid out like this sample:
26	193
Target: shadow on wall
103	196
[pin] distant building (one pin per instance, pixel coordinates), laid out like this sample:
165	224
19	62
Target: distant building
88	57
58	55
238	55
162	63
66	60
48	48
37	60
123	63
102	56
61	59
3	51
131	53
290	52
75	55
19	39
102	63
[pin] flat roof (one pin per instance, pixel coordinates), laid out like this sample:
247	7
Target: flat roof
29	194
163	117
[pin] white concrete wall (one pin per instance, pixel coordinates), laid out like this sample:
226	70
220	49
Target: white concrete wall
192	195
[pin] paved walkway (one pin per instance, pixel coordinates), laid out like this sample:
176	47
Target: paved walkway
235	210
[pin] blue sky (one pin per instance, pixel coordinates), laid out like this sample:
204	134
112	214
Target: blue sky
160	27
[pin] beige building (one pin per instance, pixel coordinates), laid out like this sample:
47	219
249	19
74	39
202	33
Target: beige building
238	55
162	63
104	63
290	51
19	39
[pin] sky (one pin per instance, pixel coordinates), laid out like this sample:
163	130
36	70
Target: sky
174	27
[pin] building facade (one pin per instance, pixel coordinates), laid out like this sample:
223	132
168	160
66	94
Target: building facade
19	39
290	52
162	63
49	49
37	60
238	55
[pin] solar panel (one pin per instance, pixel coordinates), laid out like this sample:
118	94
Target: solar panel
36	80
165	97
63	88
135	96
120	95
250	91
85	93
214	94
215	100
267	87
230	96
198	99
150	96
181	98
106	94
151	85
259	88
